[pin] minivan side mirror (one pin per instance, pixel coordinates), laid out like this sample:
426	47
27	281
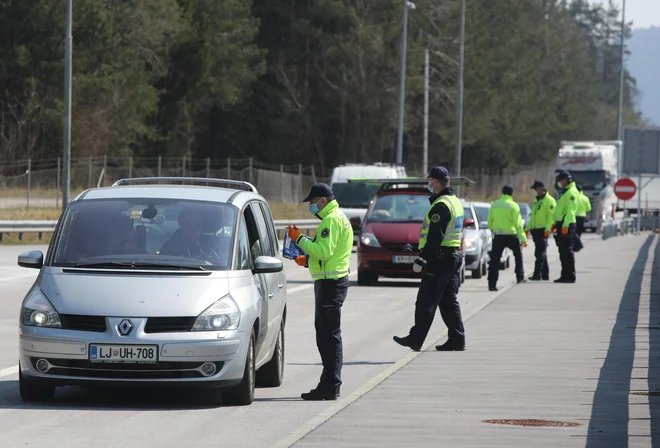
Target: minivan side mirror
469	223
356	221
33	259
267	265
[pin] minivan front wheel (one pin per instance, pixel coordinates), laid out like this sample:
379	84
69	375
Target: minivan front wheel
243	394
272	373
34	390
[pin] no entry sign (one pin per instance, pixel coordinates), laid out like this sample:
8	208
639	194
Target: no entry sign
625	189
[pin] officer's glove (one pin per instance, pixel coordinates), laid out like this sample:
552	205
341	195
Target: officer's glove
301	260
553	228
294	233
546	234
525	244
419	265
564	230
527	232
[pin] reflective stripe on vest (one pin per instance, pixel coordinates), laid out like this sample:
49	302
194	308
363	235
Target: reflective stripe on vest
454	227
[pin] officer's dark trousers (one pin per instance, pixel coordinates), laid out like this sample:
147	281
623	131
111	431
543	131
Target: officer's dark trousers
565	245
541	254
579	225
329	297
500	242
439	289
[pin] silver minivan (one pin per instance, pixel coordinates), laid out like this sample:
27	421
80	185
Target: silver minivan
149	282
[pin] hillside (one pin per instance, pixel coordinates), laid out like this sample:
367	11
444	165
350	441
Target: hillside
644	65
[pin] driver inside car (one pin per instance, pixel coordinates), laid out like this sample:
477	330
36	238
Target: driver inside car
185	241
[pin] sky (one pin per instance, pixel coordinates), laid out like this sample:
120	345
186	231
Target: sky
643	13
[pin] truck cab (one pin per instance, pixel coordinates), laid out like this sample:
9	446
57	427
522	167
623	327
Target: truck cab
595	166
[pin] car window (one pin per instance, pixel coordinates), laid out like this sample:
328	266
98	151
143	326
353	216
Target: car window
243	259
399	208
482	212
354	195
271	228
136	231
254	236
264	235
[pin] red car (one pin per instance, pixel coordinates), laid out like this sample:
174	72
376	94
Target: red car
390	231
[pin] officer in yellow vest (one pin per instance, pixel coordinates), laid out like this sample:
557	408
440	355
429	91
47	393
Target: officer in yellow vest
583	207
564	227
328	259
505	222
440	261
540	226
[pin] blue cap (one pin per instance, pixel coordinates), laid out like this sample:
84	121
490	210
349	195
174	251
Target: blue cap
563	175
507	189
319	191
538	184
438	172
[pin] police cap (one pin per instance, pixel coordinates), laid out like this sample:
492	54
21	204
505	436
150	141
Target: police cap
538	184
563	175
579	187
507	189
319	191
438	172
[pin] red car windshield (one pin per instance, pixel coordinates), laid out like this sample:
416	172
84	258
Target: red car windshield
399	208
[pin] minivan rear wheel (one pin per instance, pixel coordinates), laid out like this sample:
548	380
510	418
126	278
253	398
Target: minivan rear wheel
243	394
271	374
34	390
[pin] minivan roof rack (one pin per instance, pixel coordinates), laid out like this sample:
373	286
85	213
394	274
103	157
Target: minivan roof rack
194	180
387	184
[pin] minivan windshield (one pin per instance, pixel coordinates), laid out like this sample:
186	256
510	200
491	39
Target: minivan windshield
354	195
146	234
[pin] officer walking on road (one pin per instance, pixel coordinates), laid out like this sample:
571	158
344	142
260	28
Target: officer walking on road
540	226
564	226
505	222
440	261
328	259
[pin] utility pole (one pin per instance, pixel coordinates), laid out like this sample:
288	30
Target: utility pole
425	165
402	87
619	121
67	102
459	103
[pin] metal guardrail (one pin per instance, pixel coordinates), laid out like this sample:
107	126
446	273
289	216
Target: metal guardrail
617	227
42	227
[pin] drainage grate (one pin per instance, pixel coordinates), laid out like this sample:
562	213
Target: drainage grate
532	422
646	394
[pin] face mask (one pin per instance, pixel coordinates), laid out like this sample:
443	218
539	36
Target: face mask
314	209
430	187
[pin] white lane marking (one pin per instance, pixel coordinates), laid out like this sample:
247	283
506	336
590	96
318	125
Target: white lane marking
8	371
17	277
330	412
310	285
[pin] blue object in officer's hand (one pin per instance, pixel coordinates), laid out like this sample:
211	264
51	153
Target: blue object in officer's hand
291	249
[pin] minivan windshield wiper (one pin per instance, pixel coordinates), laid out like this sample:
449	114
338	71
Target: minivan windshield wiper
138	265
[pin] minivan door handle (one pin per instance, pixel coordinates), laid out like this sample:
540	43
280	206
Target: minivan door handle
270	295
281	285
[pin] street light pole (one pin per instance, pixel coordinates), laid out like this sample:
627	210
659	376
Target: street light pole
67	103
619	120
402	87
459	103
425	158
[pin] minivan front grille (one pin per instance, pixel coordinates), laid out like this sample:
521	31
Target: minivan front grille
169	324
83	323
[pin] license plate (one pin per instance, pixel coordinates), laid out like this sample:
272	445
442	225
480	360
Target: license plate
403	259
123	353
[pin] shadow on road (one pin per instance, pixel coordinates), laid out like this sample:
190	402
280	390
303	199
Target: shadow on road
654	350
608	425
117	399
351	363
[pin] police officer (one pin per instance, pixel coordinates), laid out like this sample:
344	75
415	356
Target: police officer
564	226
540	226
327	257
583	207
505	223
440	261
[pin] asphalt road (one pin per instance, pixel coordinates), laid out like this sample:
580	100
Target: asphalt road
82	418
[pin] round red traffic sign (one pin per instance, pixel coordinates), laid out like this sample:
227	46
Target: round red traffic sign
625	188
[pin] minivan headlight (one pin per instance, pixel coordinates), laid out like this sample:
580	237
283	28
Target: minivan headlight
369	239
222	315
37	311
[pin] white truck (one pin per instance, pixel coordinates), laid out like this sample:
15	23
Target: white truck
595	166
354	197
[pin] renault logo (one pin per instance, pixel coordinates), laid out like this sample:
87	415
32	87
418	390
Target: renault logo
408	248
124	328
